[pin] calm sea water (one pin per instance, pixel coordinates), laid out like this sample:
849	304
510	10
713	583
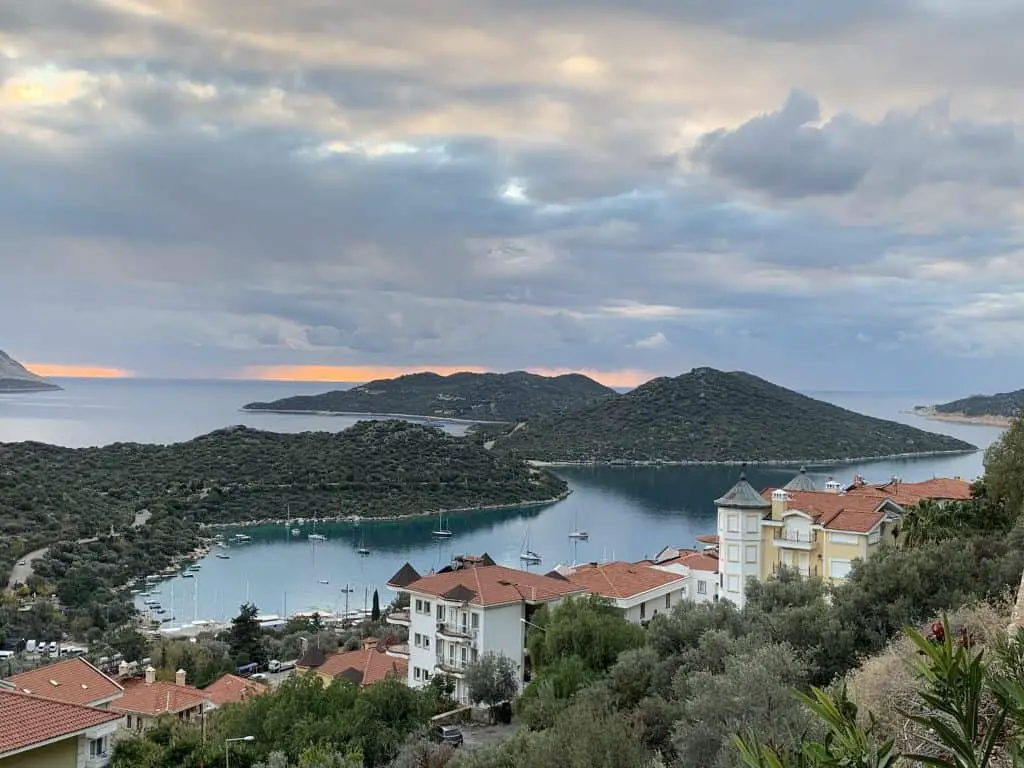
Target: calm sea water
629	512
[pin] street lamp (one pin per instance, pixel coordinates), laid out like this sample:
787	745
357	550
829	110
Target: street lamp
227	748
531	624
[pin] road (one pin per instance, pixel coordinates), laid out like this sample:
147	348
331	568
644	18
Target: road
20	573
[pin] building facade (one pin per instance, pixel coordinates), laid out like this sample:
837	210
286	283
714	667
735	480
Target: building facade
639	590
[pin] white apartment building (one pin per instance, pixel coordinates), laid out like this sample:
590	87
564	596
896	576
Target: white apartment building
467	609
640	590
698	569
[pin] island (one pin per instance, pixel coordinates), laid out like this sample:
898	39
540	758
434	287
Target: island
995	410
14	377
712	416
475	397
85	503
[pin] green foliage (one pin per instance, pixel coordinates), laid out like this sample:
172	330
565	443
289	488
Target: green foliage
1007	404
591	628
485	396
375	609
244	637
1004	470
492	679
709	415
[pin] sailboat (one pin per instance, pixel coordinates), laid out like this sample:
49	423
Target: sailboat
577	533
361	549
527	555
314	536
441	531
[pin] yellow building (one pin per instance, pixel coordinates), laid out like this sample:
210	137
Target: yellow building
41	733
819	532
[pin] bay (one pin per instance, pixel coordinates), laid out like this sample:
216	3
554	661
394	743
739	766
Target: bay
630	512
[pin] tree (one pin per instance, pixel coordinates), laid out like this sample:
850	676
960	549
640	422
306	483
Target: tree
492	679
1004	471
591	628
130	643
375	611
245	636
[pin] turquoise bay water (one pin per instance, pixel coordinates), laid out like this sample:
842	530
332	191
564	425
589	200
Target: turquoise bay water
629	512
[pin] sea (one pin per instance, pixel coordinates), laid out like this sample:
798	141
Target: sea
629	512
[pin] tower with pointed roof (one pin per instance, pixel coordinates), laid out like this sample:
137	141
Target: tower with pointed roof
740	512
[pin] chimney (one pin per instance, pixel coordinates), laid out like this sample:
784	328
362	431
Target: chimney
179	677
150	675
779	503
122	669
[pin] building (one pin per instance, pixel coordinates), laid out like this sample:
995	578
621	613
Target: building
232	689
147	700
44	733
700	570
820	532
370	664
470	608
639	589
74	681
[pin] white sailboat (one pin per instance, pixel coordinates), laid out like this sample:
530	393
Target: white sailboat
527	555
314	536
441	532
361	549
577	533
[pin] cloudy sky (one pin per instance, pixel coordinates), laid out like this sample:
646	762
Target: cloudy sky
827	194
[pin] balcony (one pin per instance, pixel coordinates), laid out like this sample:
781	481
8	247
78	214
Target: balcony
457	632
401	650
808	572
450	665
795	539
402	618
97	761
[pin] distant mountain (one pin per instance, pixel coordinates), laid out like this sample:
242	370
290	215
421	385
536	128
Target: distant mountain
710	415
472	396
1000	405
14	377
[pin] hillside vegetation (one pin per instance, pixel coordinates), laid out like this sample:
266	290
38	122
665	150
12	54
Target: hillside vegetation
711	415
472	396
1005	404
373	469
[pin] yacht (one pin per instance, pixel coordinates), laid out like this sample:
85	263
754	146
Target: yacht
361	549
242	537
222	556
527	555
296	532
323	581
314	536
577	533
442	531
188	575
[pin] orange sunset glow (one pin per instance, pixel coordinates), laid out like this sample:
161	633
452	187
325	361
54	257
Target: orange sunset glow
626	377
60	370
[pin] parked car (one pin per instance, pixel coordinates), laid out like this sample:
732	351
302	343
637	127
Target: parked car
447	734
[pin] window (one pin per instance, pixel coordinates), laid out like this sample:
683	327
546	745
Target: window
440	613
734	524
98	747
418	640
733	583
643	610
668	600
838	569
733	552
426	674
415	673
750	553
426	641
474	654
702	587
419	606
753	524
475	620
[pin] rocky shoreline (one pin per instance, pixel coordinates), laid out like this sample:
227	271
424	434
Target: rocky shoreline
987	420
391	518
740	463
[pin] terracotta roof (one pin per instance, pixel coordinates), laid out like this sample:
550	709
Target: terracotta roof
29	720
620	579
907	494
708	538
691	558
74	681
364	667
312	658
838	511
495	585
232	689
157	698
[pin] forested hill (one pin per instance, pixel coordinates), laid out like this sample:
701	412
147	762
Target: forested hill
473	396
1003	404
373	469
710	415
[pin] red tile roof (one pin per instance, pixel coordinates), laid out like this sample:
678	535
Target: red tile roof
74	681
620	579
29	720
232	689
708	538
907	494
157	698
365	666
858	513
493	585
691	558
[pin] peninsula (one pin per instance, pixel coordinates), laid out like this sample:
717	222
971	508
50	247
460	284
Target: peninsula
478	397
995	410
14	377
711	416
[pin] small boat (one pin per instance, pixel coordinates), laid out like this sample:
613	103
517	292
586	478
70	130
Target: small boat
242	537
323	581
296	532
136	591
363	551
316	537
527	555
441	532
577	533
347	589
195	567
154	591
188	575
222	556
167	620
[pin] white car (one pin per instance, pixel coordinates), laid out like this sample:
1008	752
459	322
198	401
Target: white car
23	562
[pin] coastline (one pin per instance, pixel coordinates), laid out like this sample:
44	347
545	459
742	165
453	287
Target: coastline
961	418
739	462
369	415
391	518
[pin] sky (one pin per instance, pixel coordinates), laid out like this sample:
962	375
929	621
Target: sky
826	194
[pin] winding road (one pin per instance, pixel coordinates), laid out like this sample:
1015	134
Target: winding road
23	568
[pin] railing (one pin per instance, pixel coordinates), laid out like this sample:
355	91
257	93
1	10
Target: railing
811	572
450	664
403	617
461	631
796	537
